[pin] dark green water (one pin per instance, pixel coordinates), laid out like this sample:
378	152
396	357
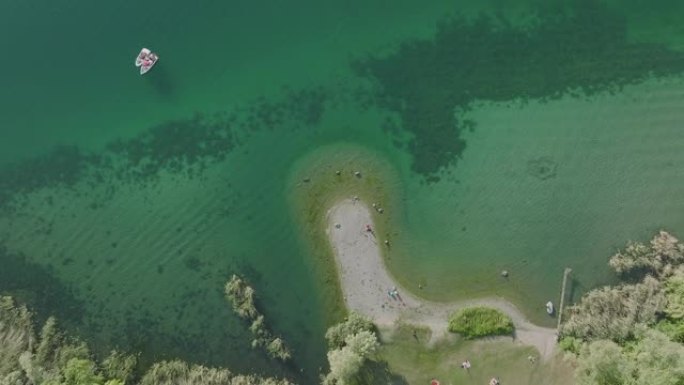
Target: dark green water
539	138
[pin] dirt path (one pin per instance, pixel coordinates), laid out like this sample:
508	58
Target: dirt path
366	284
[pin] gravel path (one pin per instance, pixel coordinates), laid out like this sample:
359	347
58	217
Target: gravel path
366	283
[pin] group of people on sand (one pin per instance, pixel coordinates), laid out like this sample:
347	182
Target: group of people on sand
393	293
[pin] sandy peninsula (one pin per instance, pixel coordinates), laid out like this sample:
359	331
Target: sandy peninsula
365	283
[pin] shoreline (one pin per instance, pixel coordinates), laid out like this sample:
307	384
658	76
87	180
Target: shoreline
365	283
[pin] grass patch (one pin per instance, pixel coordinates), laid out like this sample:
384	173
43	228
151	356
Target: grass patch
412	360
474	322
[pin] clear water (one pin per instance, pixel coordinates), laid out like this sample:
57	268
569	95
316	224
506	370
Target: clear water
182	177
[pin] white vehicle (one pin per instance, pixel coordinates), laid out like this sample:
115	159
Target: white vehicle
549	307
146	60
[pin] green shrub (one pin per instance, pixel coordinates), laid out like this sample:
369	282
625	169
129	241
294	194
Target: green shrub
570	344
476	322
276	348
241	295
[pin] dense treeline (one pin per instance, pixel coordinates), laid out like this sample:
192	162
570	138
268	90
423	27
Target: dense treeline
53	358
241	295
632	333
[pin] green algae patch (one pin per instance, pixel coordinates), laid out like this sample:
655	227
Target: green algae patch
474	322
324	177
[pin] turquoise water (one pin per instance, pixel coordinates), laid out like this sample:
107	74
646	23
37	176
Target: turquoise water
533	143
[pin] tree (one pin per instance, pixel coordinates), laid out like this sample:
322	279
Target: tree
50	342
363	343
80	371
355	323
360	341
72	349
119	365
657	360
674	291
344	364
602	363
16	334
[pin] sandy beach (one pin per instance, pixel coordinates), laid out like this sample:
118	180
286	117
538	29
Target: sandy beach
365	283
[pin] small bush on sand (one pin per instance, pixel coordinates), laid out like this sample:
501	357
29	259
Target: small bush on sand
476	322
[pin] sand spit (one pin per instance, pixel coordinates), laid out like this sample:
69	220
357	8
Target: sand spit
365	283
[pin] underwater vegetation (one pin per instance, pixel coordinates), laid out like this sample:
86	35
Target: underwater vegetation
39	287
579	49
176	146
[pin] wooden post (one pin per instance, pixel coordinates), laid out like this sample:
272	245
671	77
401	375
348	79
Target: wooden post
562	297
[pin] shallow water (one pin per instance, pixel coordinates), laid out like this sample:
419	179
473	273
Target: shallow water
180	178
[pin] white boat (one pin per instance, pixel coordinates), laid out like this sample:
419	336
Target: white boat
549	307
146	59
